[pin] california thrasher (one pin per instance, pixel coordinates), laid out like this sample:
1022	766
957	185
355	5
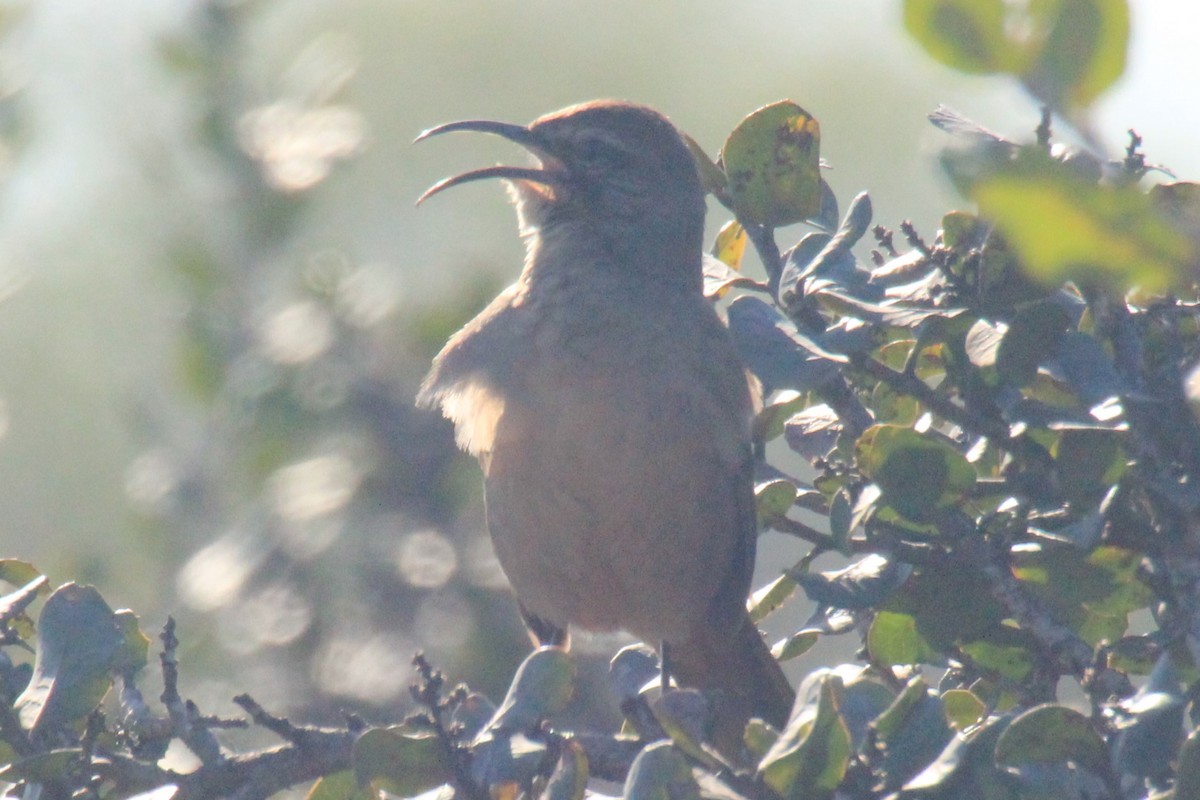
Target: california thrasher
609	410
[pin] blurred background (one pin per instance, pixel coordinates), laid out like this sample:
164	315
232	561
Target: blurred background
219	298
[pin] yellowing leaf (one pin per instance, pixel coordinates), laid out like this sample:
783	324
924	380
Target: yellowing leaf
731	244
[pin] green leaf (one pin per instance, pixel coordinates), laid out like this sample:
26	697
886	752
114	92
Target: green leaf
810	757
719	278
570	777
1080	49
78	639
13	605
840	514
1187	775
893	640
135	645
401	760
866	582
660	772
1032	338
891	720
772	500
18	573
1075	585
771	160
963	231
633	667
775	350
503	760
963	709
1066	52
917	473
965	769
982	344
863	699
769	423
1180	202
340	786
795	645
712	177
542	686
1065	229
771	596
1008	652
473	713
1051	734
53	766
1088	462
759	737
1151	729
968	35
1135	655
813	432
685	715
972	615
913	732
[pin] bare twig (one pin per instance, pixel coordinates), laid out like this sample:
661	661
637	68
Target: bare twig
428	692
914	238
279	726
1043	130
184	716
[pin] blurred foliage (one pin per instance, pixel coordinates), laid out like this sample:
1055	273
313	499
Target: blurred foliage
324	510
1003	419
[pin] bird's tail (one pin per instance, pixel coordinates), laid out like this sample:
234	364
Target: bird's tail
743	676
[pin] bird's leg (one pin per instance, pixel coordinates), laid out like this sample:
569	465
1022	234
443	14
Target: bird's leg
664	666
544	632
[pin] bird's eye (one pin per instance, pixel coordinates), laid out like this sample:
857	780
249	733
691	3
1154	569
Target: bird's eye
601	152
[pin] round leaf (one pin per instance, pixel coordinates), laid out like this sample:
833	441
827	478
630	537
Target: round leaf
660	772
963	709
967	35
542	686
772	162
401	760
811	755
570	777
893	640
78	638
917	473
1032	338
773	499
1051	734
1081	51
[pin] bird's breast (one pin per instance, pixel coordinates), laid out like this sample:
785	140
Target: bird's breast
614	484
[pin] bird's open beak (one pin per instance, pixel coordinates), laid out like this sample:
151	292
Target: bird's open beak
514	133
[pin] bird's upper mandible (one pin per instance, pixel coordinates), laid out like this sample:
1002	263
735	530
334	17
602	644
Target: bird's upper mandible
606	159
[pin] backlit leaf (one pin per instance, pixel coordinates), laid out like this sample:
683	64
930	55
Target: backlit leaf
771	160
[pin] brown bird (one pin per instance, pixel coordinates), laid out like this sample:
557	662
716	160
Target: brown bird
609	410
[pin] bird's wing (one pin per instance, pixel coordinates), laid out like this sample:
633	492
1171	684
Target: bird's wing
468	377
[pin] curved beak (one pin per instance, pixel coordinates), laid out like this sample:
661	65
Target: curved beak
514	133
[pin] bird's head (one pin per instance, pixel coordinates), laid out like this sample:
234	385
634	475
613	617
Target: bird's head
614	164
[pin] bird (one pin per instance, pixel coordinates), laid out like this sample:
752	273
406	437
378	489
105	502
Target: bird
608	408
